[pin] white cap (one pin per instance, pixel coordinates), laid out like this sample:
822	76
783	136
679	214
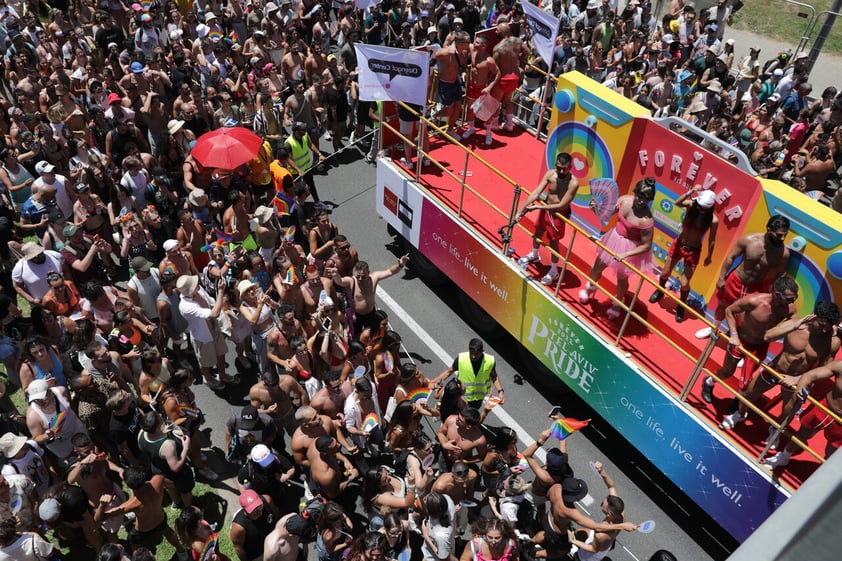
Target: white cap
706	198
261	455
44	167
170	245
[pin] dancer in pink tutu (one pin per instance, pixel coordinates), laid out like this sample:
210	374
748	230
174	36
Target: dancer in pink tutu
630	239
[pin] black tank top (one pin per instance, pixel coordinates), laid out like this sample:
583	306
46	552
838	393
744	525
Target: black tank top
256	530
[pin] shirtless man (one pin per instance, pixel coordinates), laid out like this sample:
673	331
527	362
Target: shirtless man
311	426
315	63
547	475
278	349
452	61
483	75
235	219
458	484
764	257
330	400
362	286
292	65
699	219
282	543
561	188
759	313
331	472
815	419
462	439
146	503
563	497
591	543
809	342
508	54
88	469
271	396
344	256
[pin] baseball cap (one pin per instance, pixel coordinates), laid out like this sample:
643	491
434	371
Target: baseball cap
113	98
70	230
777	72
250	501
261	455
137	67
145	17
44	167
49	510
38	389
140	263
556	461
301	527
573	489
170	245
248	417
706	198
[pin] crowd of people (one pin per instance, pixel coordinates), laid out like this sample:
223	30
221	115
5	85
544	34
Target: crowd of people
127	265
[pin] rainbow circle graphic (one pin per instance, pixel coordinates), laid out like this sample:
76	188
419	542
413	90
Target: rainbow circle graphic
812	285
591	157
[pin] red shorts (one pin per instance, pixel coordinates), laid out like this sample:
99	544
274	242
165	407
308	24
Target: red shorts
815	419
508	83
680	252
474	91
734	289
551	225
760	351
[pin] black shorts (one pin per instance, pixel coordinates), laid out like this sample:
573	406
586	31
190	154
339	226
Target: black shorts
182	479
150	538
553	541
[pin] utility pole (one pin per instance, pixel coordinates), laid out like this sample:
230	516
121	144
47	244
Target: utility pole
823	33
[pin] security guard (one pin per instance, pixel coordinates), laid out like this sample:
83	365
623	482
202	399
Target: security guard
477	373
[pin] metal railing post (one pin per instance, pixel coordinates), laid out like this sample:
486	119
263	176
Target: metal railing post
506	231
628	312
462	188
543	106
706	352
566	261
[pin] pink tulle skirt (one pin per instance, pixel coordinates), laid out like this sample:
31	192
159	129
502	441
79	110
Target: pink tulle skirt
620	244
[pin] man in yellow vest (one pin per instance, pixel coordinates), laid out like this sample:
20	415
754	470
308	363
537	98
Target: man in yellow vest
477	372
301	149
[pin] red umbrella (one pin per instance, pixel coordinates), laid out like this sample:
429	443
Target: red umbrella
227	147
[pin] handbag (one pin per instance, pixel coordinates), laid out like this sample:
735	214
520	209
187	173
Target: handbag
485	107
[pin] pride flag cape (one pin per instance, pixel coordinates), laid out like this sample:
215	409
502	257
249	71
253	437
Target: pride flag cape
284	204
189	410
563	428
418	394
209	548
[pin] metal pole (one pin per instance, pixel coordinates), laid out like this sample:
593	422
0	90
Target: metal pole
465	173
566	260
823	33
419	146
506	231
628	313
685	391
544	106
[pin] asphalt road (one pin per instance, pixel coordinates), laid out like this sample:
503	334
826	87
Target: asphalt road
434	331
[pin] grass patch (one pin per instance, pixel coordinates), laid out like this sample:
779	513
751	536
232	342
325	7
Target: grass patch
779	20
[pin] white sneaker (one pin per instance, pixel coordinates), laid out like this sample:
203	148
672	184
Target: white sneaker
327	136
586	293
772	439
489	140
778	460
741	363
703	333
469	133
732	420
550	277
352	138
404	162
527	259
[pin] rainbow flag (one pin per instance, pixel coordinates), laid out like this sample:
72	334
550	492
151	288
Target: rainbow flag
146	5
216	35
388	362
212	245
234	37
171	269
222	236
563	428
289	235
188	410
779	158
283	203
522	464
371	422
291	277
209	548
58	422
418	394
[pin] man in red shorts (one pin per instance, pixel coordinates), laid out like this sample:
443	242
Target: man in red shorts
561	187
816	419
483	75
758	314
699	219
761	256
508	54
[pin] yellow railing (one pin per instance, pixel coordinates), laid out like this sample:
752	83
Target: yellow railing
697	362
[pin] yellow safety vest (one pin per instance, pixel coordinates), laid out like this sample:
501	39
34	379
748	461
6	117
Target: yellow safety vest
477	384
300	152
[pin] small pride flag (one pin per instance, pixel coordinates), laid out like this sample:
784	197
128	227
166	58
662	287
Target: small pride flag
223	236
388	362
292	277
209	548
563	428
146	5
212	245
234	37
284	204
216	35
171	268
188	410
58	421
371	422
779	158
522	464
290	233
418	394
